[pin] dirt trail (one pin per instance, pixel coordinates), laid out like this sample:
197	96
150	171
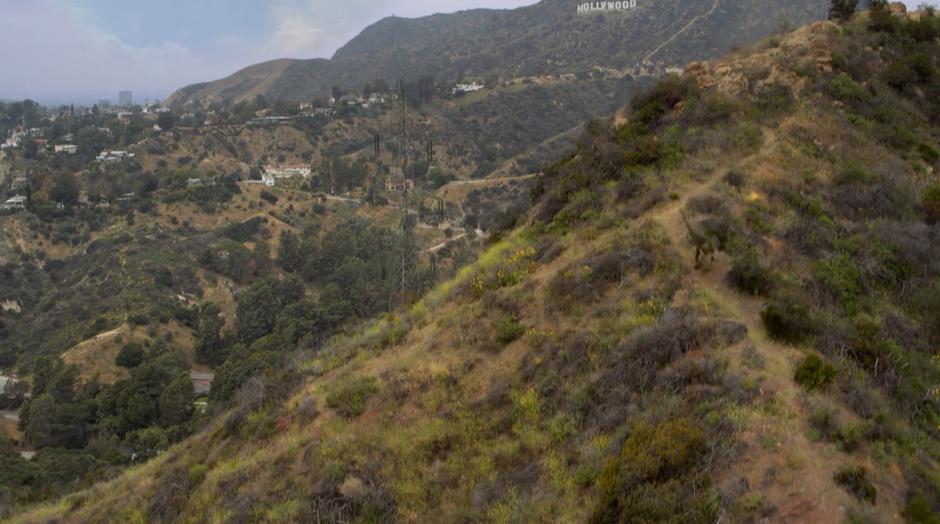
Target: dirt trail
681	31
796	474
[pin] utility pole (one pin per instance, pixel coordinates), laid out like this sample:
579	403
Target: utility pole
404	190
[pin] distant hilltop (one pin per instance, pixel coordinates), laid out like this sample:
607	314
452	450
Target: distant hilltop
545	39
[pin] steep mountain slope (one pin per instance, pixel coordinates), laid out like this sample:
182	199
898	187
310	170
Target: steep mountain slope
548	38
722	308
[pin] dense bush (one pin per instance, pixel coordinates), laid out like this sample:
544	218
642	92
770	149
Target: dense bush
750	275
349	398
508	330
855	481
931	203
787	319
645	482
814	373
130	356
842	277
268	197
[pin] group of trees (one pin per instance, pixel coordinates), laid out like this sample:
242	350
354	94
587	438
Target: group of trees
82	428
358	269
143	413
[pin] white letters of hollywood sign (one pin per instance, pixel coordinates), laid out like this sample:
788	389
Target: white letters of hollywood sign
591	7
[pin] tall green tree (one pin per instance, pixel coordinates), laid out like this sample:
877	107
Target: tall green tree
176	401
41	417
289	253
209	342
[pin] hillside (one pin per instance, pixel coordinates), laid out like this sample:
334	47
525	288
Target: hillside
548	38
722	307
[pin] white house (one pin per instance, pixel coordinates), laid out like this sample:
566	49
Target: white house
273	173
6	382
15	203
67	149
461	89
114	156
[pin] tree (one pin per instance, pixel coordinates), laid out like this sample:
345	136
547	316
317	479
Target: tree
41	415
842	10
209	341
259	305
130	356
64	189
289	253
176	401
337	92
166	121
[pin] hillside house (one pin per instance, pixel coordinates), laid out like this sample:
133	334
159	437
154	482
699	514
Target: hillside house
10	306
66	149
5	382
269	121
114	156
202	382
274	173
17	203
462	89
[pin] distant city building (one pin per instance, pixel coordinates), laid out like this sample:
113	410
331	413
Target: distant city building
125	98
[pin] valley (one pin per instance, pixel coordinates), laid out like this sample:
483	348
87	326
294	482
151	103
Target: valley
695	280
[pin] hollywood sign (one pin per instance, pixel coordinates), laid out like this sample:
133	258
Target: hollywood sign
595	7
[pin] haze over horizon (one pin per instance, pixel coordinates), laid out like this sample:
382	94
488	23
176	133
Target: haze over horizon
91	49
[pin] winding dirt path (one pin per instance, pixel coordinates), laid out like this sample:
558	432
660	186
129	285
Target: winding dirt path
681	31
795	474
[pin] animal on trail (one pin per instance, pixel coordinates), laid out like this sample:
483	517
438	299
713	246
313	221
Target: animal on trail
706	244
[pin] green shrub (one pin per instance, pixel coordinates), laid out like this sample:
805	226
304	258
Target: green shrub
788	320
749	275
856	482
843	88
814	373
918	511
508	330
269	197
646	481
130	356
843	278
931	203
928	153
851	436
880	18
349	398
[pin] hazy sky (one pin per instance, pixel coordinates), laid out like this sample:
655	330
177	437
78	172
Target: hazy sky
57	51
